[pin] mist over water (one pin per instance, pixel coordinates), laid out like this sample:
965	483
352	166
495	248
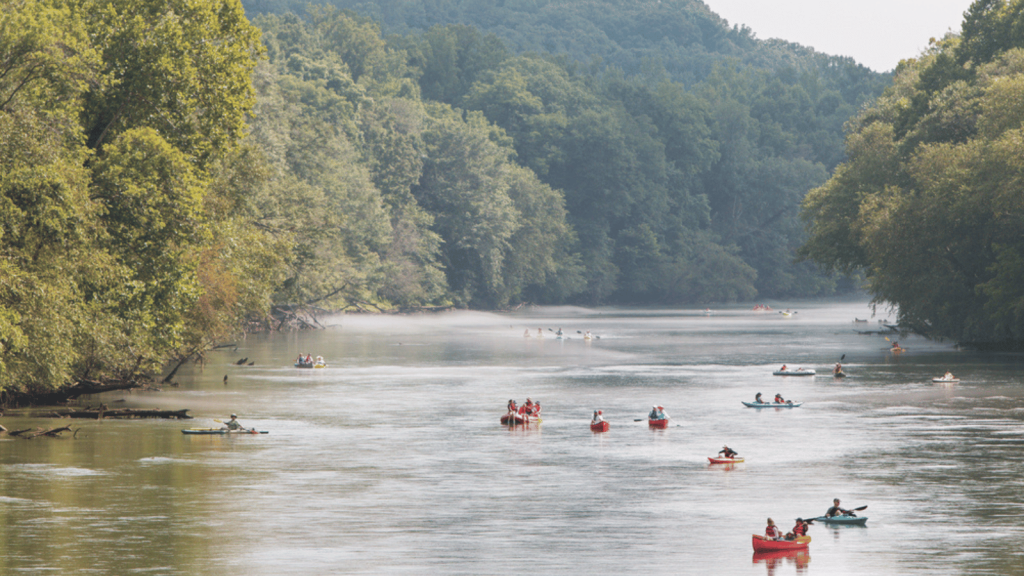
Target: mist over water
392	460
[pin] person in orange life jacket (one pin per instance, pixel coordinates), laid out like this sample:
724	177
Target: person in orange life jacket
799	530
779	400
728	452
511	405
835	510
783	369
527	408
536	408
772	531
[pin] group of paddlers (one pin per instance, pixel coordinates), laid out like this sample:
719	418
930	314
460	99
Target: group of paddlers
558	333
762	307
308	359
772	531
778	399
527	410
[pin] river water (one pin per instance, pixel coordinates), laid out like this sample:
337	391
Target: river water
392	460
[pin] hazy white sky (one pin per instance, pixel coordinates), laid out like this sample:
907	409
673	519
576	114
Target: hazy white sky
877	33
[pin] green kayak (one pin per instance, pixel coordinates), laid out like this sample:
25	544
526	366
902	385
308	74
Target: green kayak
221	431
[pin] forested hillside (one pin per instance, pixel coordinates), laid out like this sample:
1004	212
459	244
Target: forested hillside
682	147
931	199
171	171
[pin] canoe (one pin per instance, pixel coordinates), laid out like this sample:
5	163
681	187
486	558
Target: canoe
771	405
763	544
658	423
221	431
724	460
793	373
599	427
846	520
944	381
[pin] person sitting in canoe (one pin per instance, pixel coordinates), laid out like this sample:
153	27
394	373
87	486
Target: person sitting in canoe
772	531
836	510
727	452
758	399
233	423
658	413
799	530
598	418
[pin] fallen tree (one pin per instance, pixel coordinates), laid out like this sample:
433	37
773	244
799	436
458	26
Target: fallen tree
64	394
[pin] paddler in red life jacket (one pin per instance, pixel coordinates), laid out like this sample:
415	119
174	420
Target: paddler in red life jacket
772	531
527	408
779	400
512	406
783	369
727	452
800	529
536	408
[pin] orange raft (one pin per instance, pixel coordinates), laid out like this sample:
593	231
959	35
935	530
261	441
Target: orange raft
599	427
663	423
763	544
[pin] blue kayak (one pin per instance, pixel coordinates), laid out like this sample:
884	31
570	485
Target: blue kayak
771	405
846	520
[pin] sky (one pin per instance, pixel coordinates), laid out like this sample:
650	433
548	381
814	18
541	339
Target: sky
876	33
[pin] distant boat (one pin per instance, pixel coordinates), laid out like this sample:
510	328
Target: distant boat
859	320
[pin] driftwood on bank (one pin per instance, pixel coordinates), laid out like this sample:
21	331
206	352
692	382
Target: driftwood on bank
101	412
14	399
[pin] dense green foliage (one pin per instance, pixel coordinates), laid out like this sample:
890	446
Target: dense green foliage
682	167
931	200
169	170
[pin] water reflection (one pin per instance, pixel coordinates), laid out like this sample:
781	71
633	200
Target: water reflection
776	559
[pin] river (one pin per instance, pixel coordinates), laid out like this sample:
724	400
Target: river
392	460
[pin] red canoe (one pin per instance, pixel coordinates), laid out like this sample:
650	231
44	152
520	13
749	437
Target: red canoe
599	427
762	544
724	460
658	423
519	420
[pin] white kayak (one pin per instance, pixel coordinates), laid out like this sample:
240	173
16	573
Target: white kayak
946	380
800	372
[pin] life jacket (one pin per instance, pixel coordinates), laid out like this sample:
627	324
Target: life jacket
779	400
772	532
800	529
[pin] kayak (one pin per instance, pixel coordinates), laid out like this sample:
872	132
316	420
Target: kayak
599	427
839	374
945	381
772	405
222	431
763	544
793	373
845	520
658	423
724	460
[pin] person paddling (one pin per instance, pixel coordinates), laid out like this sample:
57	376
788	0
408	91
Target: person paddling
772	531
838	369
727	452
233	423
836	510
783	369
598	417
758	399
800	529
779	400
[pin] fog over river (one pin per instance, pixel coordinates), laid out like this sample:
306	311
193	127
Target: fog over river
392	459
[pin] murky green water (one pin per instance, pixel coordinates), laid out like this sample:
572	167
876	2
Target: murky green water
392	461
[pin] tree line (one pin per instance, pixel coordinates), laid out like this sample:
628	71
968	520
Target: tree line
930	201
171	170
